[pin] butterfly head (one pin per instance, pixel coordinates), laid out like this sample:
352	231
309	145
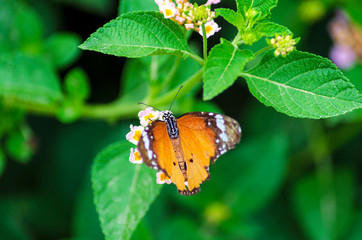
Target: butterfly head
167	115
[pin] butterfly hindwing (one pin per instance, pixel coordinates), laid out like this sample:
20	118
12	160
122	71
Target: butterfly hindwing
205	136
224	131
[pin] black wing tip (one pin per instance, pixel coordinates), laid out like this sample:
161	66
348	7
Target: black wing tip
188	192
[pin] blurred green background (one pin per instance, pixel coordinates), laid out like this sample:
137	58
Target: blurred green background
287	179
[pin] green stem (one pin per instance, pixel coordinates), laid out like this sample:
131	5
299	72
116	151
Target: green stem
112	111
197	58
172	72
204	38
236	40
263	50
46	109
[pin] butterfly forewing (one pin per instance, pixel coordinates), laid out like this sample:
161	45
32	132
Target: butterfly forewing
156	152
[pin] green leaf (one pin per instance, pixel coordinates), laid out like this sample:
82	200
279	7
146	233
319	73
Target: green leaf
18	145
122	191
76	84
20	27
138	34
223	66
235	18
62	49
270	29
28	78
263	6
136	5
324	209
302	85
28	25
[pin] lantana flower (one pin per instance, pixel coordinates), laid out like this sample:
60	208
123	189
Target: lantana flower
347	41
148	115
191	16
134	135
135	156
211	28
162	178
168	8
209	2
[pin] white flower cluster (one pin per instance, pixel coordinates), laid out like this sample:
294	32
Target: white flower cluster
146	117
191	16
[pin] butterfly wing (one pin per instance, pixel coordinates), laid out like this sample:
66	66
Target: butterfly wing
157	152
204	136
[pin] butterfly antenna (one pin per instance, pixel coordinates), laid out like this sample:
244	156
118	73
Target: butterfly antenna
175	97
149	106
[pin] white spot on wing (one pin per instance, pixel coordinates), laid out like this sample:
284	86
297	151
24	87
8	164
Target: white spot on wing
220	123
150	153
224	137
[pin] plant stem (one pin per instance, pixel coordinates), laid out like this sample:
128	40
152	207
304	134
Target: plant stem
172	72
197	59
111	111
204	37
236	39
47	109
263	50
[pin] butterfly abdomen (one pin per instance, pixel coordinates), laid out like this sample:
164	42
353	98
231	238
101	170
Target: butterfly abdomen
173	132
178	154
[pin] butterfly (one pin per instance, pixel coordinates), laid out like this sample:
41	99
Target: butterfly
182	148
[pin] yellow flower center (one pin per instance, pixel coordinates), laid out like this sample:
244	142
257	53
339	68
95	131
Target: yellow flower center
149	116
164	177
137	135
137	156
168	12
208	29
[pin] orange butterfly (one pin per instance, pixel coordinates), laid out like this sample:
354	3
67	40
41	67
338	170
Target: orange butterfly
182	147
